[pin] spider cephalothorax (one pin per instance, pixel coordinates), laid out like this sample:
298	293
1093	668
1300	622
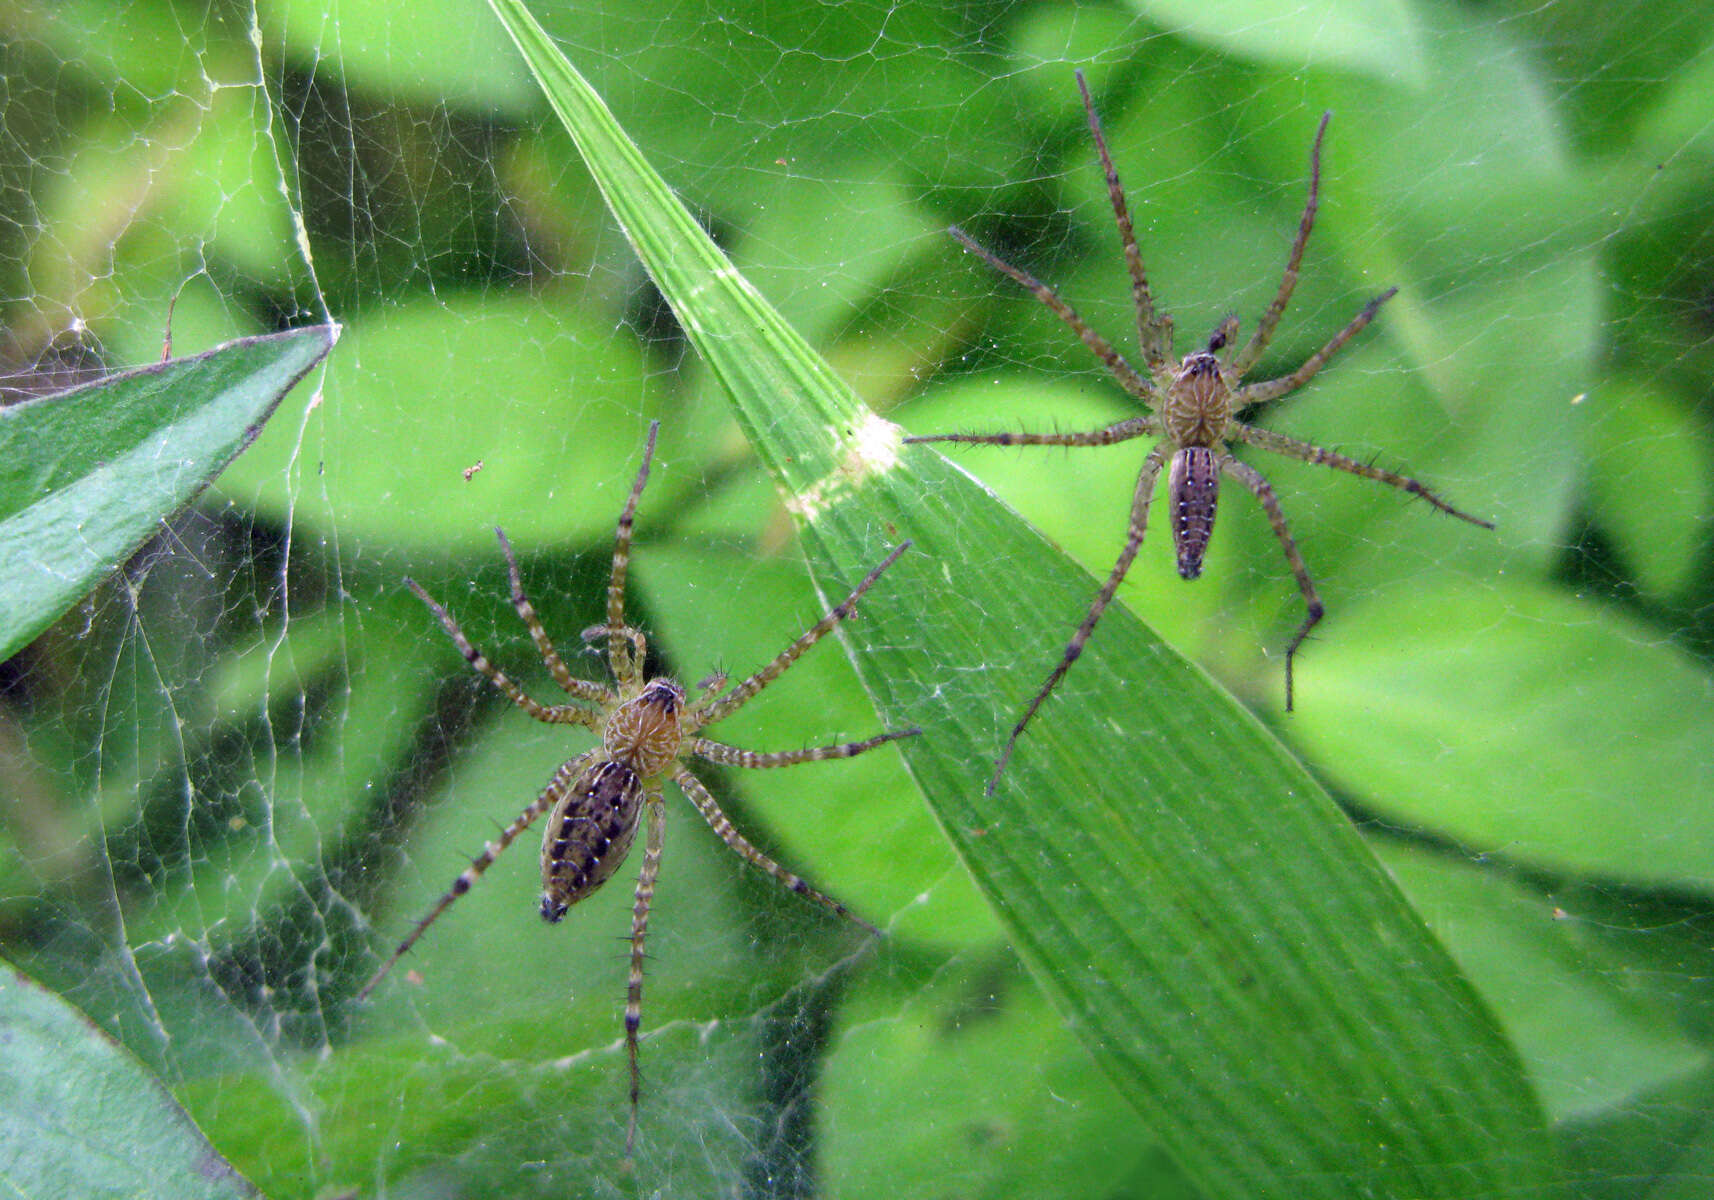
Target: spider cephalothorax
1193	406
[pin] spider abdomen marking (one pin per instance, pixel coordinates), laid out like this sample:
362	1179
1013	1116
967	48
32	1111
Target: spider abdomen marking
588	835
1193	490
645	732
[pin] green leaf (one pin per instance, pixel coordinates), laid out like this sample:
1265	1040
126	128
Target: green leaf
1590	1035
1509	677
1650	483
904	1078
87	475
1192	903
409	383
432	52
1382	38
82	1117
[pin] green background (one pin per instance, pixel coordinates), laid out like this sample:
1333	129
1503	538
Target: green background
236	773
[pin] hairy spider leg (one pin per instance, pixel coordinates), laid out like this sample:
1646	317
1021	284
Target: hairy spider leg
1124	372
563	779
644	897
1138	524
1154	333
1270	502
1252	394
581	688
1307	452
627	670
1258	343
725	706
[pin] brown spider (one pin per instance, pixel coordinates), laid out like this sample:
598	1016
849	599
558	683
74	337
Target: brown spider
1194	404
597	799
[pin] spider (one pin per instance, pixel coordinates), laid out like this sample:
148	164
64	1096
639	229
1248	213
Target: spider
1193	403
596	800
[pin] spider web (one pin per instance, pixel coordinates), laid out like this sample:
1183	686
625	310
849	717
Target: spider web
238	773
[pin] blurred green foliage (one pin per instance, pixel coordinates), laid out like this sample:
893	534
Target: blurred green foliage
239	770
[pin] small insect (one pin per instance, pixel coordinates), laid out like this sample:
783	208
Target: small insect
1193	403
595	801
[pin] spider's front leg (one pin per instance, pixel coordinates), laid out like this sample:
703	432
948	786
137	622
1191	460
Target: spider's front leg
1252	394
627	671
582	689
709	709
1123	431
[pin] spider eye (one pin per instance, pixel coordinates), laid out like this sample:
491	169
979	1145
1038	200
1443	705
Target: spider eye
1200	364
664	694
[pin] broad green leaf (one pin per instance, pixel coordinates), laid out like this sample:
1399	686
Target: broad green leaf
1192	903
1509	677
430	52
82	1117
904	1079
1650	482
87	475
1591	1037
1662	1147
390	449
1383	39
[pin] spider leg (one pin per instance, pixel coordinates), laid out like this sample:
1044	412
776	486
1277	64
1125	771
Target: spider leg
1123	371
626	669
1264	493
734	756
705	804
1154	334
639	930
1258	342
1133	542
639	643
562	779
1273	389
1305	452
1123	431
557	714
582	689
729	703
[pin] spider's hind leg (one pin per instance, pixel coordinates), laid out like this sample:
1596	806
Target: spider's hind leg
645	896
563	778
1265	496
